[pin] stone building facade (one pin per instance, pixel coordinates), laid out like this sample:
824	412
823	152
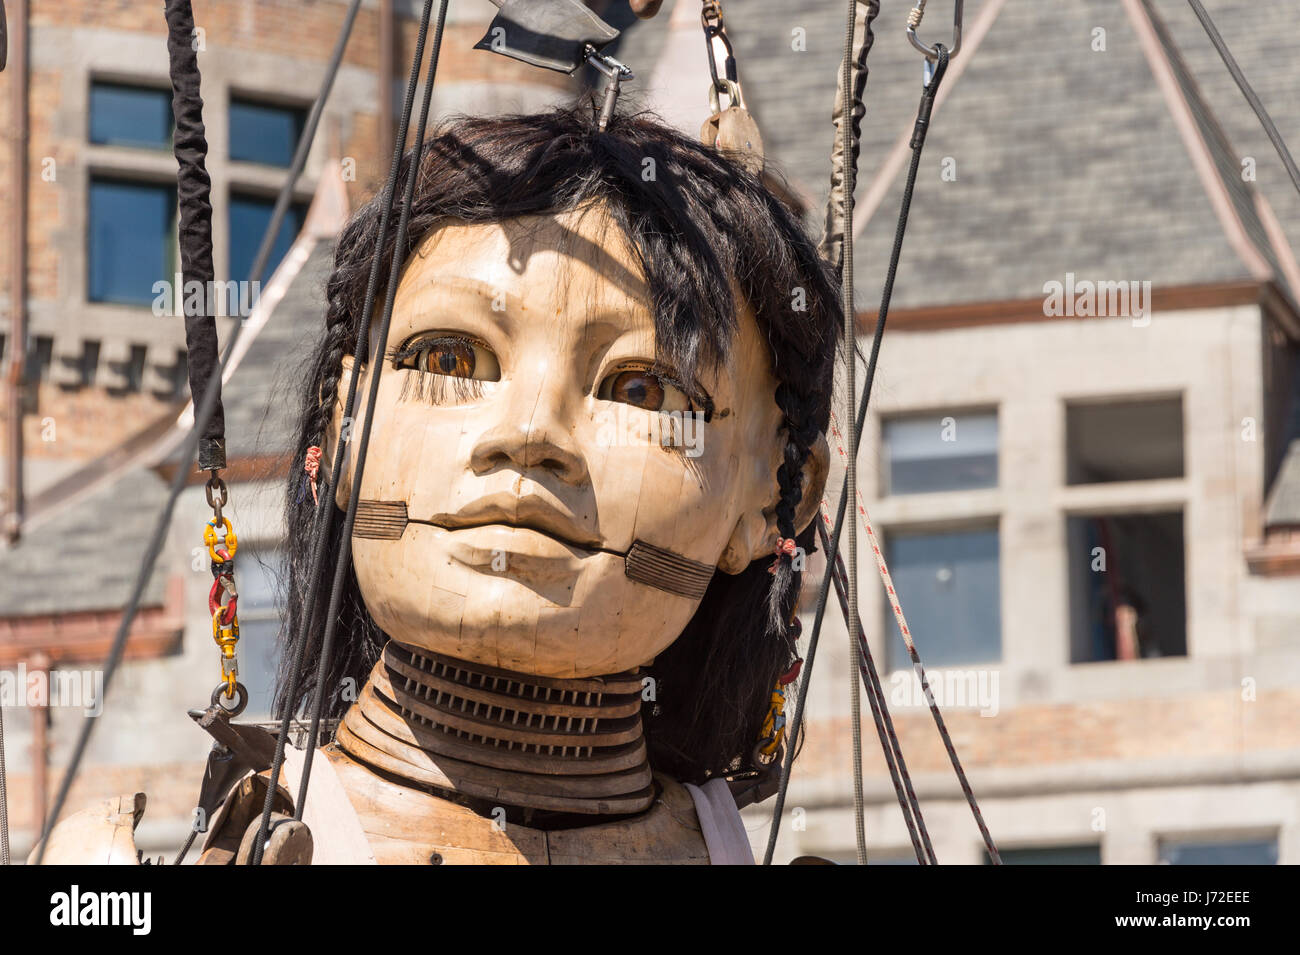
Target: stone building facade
1031	470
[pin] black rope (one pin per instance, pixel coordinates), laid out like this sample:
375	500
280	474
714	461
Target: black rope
1248	91
204	408
918	143
889	745
204	412
278	212
324	514
342	566
833	247
919	132
189	841
193	194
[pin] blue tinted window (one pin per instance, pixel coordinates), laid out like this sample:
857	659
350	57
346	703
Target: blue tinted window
131	237
941	452
948	584
1049	855
250	216
262	133
123	115
1251	852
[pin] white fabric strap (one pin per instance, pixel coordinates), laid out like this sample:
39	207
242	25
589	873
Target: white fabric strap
337	836
724	830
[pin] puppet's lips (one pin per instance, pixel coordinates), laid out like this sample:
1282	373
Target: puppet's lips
504	548
527	512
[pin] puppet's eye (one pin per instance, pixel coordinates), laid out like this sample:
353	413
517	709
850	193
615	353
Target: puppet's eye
644	389
453	356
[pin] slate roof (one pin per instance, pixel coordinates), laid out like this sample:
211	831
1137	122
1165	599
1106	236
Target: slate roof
1067	159
87	558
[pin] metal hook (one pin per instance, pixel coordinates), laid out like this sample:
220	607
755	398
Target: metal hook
914	21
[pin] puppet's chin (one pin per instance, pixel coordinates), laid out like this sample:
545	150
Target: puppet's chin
515	599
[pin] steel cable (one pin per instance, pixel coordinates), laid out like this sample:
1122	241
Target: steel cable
893	752
203	411
281	207
1248	91
4	796
850	389
299	641
918	142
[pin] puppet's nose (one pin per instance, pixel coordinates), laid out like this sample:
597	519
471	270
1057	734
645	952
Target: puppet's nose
533	430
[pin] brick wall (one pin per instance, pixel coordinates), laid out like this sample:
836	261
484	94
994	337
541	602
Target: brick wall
94	412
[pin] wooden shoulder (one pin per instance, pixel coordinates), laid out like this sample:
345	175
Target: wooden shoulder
103	834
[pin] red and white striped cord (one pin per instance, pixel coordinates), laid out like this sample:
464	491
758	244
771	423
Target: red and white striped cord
875	549
917	667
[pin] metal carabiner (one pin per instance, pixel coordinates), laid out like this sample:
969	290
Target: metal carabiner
914	21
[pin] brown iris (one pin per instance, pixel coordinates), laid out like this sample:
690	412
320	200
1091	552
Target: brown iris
455	358
638	387
642	388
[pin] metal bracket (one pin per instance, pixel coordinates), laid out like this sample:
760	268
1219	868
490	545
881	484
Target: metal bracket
237	749
553	34
614	73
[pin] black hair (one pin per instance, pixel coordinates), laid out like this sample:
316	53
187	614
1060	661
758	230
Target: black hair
699	226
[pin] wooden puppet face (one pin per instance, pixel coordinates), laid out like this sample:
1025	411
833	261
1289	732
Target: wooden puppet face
519	421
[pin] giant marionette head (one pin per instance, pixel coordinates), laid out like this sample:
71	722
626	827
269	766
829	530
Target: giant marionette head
602	405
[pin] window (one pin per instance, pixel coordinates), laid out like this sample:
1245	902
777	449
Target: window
1127	587
949	585
940	452
1218	852
258	576
1049	855
123	115
267	134
131	239
1124	441
250	216
262	133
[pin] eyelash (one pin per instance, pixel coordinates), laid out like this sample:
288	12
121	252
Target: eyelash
702	402
439	389
430	386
